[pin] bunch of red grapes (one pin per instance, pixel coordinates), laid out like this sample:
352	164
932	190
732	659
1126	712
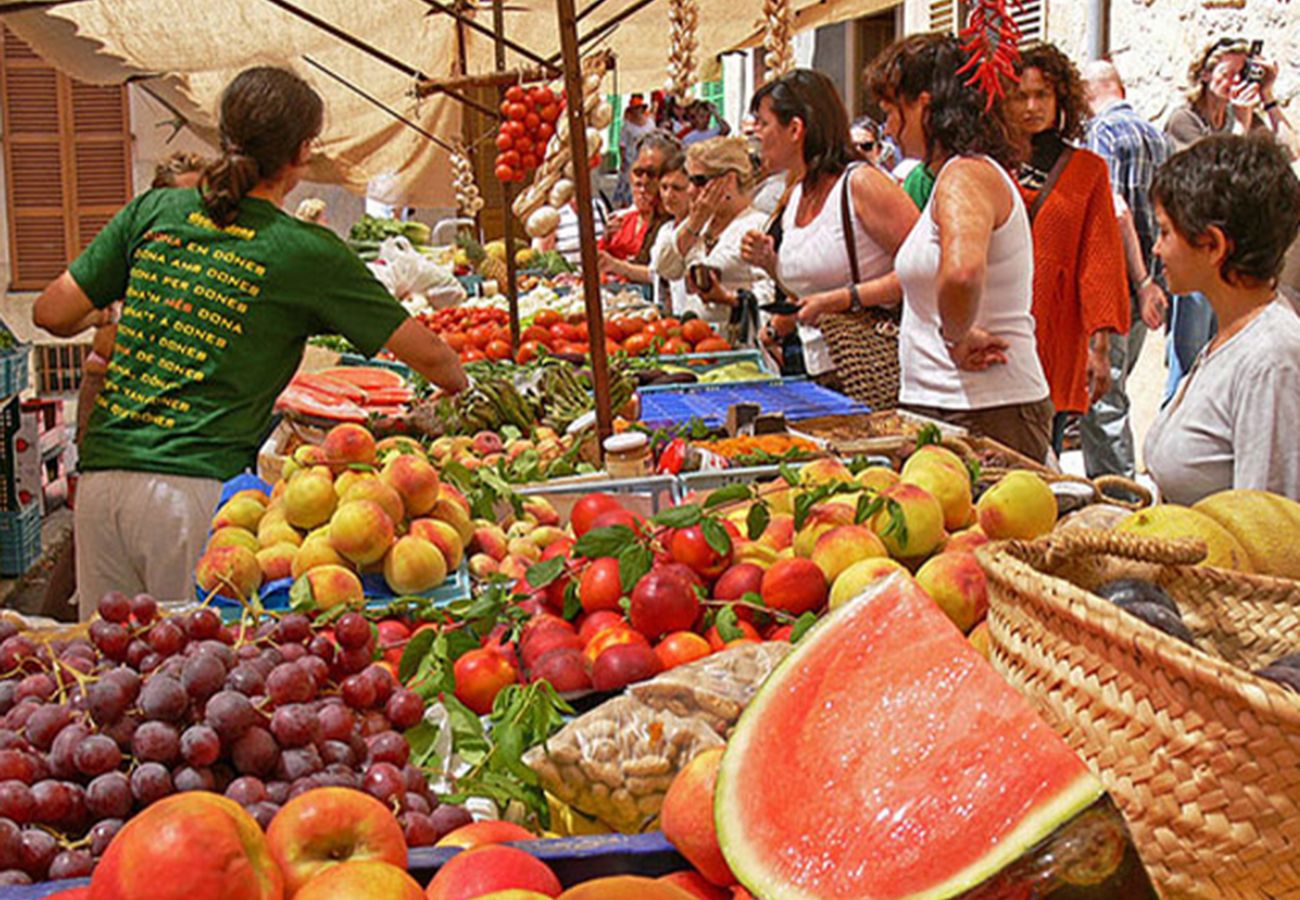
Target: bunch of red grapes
528	121
95	729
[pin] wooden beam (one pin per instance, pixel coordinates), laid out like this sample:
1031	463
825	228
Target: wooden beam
505	77
507	189
573	78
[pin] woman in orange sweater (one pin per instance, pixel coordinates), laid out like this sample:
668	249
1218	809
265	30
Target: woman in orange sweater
1080	291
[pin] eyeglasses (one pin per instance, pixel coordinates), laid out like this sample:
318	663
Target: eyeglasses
701	180
867	146
645	172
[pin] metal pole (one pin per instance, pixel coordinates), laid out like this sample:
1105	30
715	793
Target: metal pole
1095	32
507	189
568	26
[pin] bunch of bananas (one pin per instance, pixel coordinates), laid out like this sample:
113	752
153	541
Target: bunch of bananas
492	403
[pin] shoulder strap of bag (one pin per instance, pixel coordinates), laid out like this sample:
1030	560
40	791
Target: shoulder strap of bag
846	218
1052	177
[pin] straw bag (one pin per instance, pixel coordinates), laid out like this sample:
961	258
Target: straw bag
863	344
1202	756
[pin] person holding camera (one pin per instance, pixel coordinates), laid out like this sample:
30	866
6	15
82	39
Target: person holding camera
1228	208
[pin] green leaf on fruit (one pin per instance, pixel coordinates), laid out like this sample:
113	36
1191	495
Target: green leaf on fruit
572	605
634	561
757	520
604	541
753	599
417	648
729	494
789	474
301	597
929	434
974	468
717	536
803	505
868	505
539	575
728	624
897	522
679	516
625	605
802	626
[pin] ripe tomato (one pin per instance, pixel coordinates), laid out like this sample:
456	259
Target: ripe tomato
529	161
512	128
657	328
549	112
505	173
614	330
537	334
540	96
509	158
515	93
563	331
504	141
517	111
497	349
696	330
527	352
547	317
637	344
712	345
505	108
524	145
472	355
674	346
544	132
481	335
456	340
532	121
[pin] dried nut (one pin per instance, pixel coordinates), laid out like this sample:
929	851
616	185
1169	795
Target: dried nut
648	765
650	804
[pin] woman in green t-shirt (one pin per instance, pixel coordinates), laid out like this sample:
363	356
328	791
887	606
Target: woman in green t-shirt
220	291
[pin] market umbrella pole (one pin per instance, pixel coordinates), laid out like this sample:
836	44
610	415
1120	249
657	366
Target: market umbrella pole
568	27
507	189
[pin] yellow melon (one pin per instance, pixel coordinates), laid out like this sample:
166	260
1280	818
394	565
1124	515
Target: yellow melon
1264	524
1167	520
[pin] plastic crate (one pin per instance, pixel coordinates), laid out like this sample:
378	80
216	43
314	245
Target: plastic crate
392	365
10	422
707	362
14	369
644	496
59	367
798	399
20	540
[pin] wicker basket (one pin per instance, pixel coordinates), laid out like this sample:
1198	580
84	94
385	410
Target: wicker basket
1202	756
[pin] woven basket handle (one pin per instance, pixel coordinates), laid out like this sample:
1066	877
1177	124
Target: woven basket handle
1104	483
1063	545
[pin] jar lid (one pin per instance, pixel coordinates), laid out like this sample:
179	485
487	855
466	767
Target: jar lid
627	442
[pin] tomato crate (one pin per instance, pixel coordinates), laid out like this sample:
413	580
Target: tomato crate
20	540
59	367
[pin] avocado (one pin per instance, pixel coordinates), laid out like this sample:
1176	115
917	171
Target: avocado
1158	616
1286	676
1123	591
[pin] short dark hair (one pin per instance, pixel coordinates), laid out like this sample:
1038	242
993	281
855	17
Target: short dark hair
957	119
1061	73
811	97
1243	185
666	143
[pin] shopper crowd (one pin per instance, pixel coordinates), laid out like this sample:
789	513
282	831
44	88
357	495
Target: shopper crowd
998	268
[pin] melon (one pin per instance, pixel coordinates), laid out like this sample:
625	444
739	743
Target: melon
884	757
1264	524
1168	520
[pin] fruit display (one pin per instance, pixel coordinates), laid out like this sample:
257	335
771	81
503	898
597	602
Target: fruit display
954	752
346	394
346	506
98	728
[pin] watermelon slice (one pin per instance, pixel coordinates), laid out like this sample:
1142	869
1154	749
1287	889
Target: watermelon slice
885	758
320	406
323	384
368	378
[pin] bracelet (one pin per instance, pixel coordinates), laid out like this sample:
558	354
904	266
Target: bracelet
1270	105
1146	282
855	299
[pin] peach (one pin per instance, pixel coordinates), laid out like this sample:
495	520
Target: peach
541	509
348	444
779	532
442	536
624	664
877	478
485	832
487	442
323	827
279	532
483	566
853	580
821	520
253	494
956	582
824	471
943	474
415	480
483	870
231	536
350	478
979	638
756	553
490	539
795	586
361	531
515	894
544	536
309	455
374	489
663	600
453	511
276	561
325	587
515	567
844	545
189	846
398	444
696	885
239	512
315	552
626	887
413	565
309	500
922	518
362	880
524	548
480	675
687	817
965	541
1020	507
737	581
231	571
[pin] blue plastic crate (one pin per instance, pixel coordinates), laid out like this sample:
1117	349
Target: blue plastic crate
797	399
14	364
20	539
275	594
392	365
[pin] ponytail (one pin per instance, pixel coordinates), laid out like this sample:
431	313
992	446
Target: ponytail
266	115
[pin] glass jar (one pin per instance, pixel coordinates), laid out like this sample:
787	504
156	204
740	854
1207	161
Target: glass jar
627	455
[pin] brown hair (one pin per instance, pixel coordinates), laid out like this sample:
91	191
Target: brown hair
720	155
1206	60
267	114
181	162
956	119
1062	74
811	97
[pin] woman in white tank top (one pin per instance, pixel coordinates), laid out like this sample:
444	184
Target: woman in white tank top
804	130
967	350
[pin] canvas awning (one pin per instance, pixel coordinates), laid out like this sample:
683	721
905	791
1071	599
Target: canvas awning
190	50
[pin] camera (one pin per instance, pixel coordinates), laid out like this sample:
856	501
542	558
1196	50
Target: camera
1254	72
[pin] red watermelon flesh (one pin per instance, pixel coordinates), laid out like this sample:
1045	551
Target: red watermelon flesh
368	378
319	405
324	384
886	758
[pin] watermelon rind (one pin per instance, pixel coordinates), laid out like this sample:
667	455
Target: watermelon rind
752	864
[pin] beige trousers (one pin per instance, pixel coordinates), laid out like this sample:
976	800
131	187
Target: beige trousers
140	532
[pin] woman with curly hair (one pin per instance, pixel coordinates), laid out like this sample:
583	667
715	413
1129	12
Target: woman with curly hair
1080	291
966	342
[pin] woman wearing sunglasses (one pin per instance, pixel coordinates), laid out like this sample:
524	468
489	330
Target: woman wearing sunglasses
624	251
721	213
